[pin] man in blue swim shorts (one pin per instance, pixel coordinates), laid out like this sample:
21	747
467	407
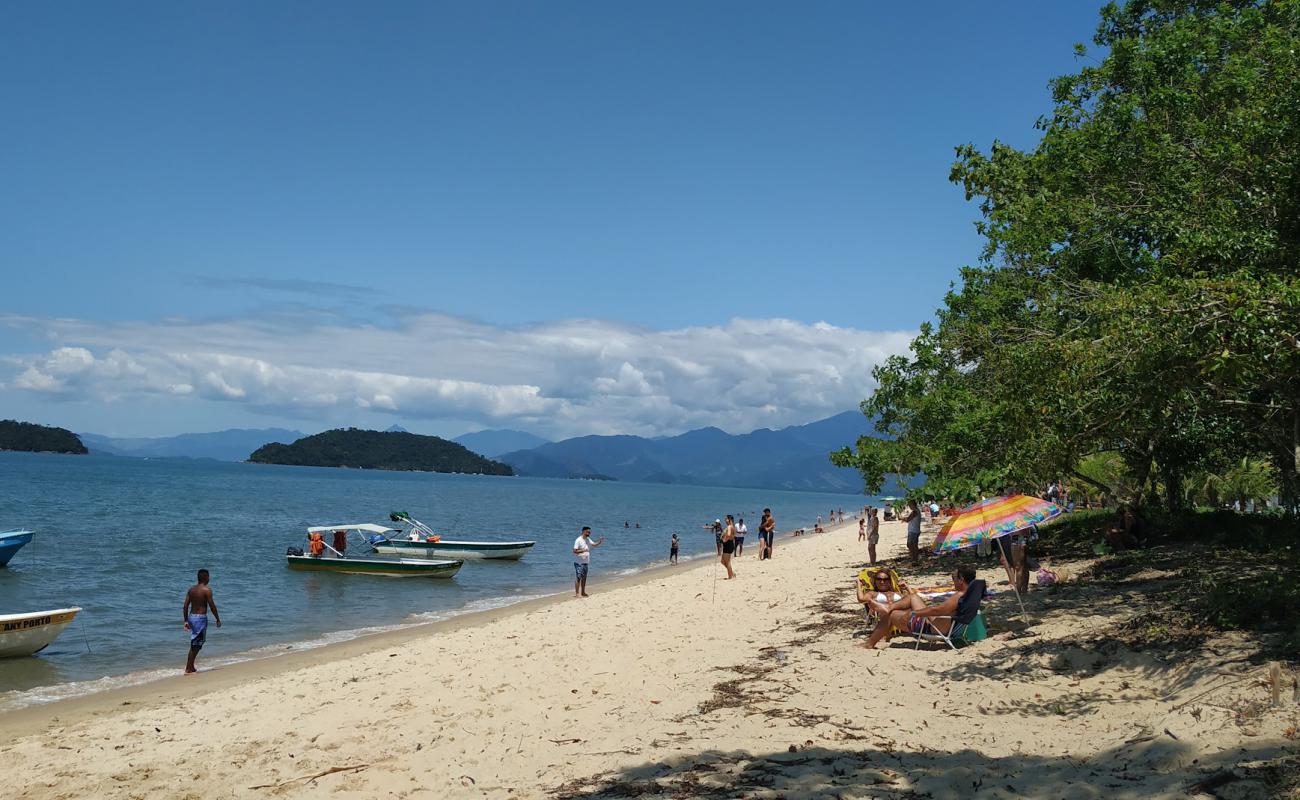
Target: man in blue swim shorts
582	560
194	615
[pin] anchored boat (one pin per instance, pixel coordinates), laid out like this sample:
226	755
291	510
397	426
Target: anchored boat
324	557
11	542
28	634
419	539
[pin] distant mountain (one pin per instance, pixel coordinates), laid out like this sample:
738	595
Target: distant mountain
795	458
32	438
395	429
353	447
495	442
229	445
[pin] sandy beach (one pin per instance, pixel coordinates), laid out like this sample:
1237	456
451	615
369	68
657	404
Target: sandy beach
677	683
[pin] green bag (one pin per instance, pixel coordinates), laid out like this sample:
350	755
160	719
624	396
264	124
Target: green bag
975	631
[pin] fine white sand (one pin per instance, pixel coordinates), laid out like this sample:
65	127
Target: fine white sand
681	684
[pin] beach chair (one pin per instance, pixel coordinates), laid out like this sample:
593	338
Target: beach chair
958	634
896	586
973	631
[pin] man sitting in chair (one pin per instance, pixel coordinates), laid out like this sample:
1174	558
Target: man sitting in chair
949	617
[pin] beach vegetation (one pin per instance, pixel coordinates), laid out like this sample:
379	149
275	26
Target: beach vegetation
1133	322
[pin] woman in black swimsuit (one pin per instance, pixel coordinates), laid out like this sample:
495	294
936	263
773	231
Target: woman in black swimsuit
729	545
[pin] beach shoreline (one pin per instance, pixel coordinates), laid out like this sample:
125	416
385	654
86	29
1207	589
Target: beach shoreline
678	683
29	719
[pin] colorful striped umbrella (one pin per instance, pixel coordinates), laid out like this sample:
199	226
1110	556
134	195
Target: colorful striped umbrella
989	519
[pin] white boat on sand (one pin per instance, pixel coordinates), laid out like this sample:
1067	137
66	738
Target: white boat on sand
30	633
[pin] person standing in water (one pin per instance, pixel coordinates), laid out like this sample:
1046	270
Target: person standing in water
741	532
194	615
672	552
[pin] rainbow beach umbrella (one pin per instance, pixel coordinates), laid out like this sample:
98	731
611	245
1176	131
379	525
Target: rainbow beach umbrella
991	518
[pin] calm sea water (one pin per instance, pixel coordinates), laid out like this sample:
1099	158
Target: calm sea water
122	538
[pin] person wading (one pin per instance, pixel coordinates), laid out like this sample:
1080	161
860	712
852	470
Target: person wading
582	547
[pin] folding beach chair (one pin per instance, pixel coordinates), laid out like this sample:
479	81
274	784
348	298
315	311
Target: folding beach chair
957	634
972	631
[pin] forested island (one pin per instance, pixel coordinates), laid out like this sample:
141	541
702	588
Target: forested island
363	449
32	438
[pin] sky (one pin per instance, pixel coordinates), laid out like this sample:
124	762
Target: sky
563	217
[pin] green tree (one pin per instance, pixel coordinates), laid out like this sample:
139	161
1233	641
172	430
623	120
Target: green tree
1138	292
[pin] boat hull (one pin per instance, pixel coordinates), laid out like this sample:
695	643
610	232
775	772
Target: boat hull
457	550
28	634
11	542
404	567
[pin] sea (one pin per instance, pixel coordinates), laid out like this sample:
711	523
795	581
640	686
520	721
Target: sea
122	538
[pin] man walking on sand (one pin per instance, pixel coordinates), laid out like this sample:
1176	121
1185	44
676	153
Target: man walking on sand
912	516
194	615
582	560
873	533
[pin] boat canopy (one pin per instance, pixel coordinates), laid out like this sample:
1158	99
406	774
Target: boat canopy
366	527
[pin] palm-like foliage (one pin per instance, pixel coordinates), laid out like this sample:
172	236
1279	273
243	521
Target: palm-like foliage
1247	480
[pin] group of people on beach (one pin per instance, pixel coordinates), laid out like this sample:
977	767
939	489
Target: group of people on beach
730	539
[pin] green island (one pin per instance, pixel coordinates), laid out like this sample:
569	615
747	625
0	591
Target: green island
363	449
32	438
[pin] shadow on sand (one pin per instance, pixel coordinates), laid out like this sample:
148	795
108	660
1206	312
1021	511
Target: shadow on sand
1153	768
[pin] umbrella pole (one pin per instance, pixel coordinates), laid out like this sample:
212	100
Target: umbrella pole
1024	615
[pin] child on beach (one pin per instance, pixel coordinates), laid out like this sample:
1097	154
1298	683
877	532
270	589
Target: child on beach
672	552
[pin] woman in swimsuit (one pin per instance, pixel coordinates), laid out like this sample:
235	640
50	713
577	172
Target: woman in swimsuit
729	545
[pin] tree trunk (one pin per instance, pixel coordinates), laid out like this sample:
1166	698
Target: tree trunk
1105	490
1173	481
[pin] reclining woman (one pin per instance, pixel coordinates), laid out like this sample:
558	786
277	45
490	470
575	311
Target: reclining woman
883	586
910	613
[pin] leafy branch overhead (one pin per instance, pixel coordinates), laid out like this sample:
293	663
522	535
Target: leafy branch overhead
1139	288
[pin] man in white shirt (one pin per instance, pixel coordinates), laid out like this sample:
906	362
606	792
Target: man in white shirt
582	560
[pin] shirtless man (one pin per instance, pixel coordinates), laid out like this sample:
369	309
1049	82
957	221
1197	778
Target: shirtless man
194	613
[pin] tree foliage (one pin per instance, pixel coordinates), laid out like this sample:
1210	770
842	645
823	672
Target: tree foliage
35	438
1139	288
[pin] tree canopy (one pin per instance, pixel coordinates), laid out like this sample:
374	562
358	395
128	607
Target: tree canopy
1138	292
35	438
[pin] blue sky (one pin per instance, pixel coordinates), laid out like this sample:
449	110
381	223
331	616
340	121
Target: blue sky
202	201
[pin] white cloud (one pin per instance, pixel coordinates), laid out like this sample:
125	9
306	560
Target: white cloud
559	378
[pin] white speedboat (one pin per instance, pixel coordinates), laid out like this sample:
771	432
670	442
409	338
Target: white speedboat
419	540
28	634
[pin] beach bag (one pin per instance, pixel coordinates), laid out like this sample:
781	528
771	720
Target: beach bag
1046	577
976	631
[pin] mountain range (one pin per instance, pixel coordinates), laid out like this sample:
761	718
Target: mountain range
492	443
229	445
793	458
